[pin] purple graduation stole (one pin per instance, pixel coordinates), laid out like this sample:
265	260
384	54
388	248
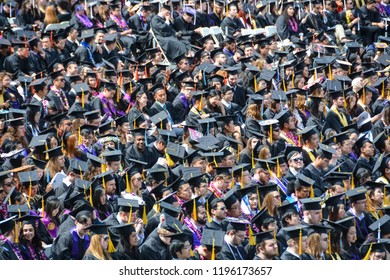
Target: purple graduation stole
76	255
184	100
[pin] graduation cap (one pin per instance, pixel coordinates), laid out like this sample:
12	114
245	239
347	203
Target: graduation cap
237	225
8	224
170	209
18	210
55	152
307	132
295	232
78	166
356	194
311	203
86	34
29	178
361	141
175	150
213	239
288	207
160	119
328	151
333	201
101	229
127	205
112	155
381	226
92	115
263	236
320	228
107	126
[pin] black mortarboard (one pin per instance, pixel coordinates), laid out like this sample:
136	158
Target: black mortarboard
18	209
288	207
333	201
92	115
127	205
112	155
55	152
356	194
214	238
8	224
160	119
229	198
295	231
240	225
78	166
311	203
29	177
175	150
382	226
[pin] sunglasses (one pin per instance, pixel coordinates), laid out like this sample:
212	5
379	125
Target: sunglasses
297	159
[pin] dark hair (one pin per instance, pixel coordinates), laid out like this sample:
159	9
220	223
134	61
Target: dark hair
175	247
30	116
52	203
36	241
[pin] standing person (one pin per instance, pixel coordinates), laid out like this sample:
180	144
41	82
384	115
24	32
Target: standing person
29	240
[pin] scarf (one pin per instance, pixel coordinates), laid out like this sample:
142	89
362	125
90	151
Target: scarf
89	49
14	248
341	116
84	20
293	24
119	21
34	255
196	230
61	95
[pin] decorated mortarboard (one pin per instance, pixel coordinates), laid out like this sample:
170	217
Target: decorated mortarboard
356	194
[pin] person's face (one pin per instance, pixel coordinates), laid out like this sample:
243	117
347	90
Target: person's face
209	45
283	168
304	192
291	123
187	92
221	59
351	235
378	196
368	97
165	239
184	65
133	240
116	12
136	181
104	241
46	43
239	237
233	11
232	79
103	197
143	100
115	166
110	187
264	176
290	11
378	256
323	242
59	82
228	96
185	252
185	192
6	81
95	122
253	201
87	140
346	147
28	232
340	102
313	141
72	69
296	161
21	131
295	220
7	185
140	142
202	189
220	211
341	212
2	195
202	164
324	163
235	210
109	145
202	215
83	228
66	125
109	94
270	249
161	96
276	201
368	149
99	38
60	161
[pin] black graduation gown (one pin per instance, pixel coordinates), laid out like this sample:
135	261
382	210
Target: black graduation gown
364	163
269	114
214	19
66	225
313	173
229	252
349	163
146	156
165	35
306	157
62	247
16	65
71	47
81	54
288	256
333	121
231	25
251	124
141	30
35	63
154	249
180	109
187	29
7	252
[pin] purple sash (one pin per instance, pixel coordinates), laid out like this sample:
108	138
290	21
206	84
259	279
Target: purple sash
184	100
76	254
50	227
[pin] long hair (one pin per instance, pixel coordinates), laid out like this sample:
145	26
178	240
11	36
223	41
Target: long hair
52	203
12	135
254	111
348	98
370	204
36	241
50	15
52	167
313	108
313	246
96	249
301	102
333	213
71	150
267	203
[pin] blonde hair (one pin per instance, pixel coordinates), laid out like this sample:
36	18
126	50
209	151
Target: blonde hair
313	246
267	203
95	248
52	167
254	112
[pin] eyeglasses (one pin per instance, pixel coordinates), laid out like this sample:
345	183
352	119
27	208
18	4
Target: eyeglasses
137	179
297	159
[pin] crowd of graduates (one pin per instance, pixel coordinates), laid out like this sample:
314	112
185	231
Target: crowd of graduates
194	130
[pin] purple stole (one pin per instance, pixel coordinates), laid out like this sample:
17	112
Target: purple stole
50	227
185	102
76	254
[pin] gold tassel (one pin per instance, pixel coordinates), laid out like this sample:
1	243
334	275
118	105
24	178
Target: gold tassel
46	149
194	211
255	83
330	72
367	256
299	140
278	172
144	216
201	102
311	192
90	196
80	141
82	97
213	251
238	152
284	85
215	161
242	178
253	159
252	238
128	189
134	124
104	183
315	74
364	96
383	90
130	214
270	133
329	244
353	182
81	173
192	253
169	160
111	247
300	242
384	197
29	191
292	80
207	212
258	198
131	87
104	168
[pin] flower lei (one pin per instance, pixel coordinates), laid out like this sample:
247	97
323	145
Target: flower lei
85	20
41	255
119	21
